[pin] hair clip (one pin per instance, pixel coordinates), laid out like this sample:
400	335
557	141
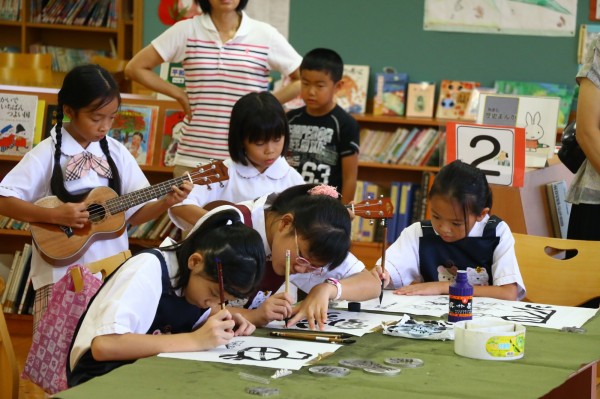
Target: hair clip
324	189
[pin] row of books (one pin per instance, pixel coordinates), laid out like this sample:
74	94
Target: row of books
414	146
155	230
560	209
98	13
64	58
10	10
12	224
18	295
410	204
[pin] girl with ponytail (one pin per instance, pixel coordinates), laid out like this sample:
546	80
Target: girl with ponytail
159	300
76	158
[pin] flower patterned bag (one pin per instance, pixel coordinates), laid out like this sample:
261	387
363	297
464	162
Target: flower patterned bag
47	359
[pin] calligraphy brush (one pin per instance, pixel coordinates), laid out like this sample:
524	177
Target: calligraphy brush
221	287
310	337
330	334
383	248
287	278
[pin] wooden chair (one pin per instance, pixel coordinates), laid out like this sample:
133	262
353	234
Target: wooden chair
9	376
26	60
116	67
30	77
549	279
105	266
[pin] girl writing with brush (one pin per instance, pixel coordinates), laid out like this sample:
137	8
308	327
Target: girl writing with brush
159	300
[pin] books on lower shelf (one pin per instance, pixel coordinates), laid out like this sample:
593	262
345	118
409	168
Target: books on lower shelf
560	209
18	285
155	230
367	230
402	195
403	147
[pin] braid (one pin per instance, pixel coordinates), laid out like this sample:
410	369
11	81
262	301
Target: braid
115	181
57	181
84	86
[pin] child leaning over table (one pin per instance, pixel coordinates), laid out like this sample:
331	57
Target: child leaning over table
160	302
461	235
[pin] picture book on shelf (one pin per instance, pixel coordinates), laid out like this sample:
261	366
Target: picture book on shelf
564	92
454	98
420	100
352	95
17	123
560	209
390	93
135	127
171	134
538	115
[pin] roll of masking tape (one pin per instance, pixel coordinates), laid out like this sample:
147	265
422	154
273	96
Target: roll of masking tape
489	339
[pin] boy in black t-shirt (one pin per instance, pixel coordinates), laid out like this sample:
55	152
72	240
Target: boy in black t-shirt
324	141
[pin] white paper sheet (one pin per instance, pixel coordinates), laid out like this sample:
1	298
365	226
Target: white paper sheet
262	352
530	314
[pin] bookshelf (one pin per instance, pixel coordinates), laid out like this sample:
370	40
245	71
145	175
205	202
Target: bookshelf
125	38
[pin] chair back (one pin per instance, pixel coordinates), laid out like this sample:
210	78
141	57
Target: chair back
9	377
105	266
26	60
552	280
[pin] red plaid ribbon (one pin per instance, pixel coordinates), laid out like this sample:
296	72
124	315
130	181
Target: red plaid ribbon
80	165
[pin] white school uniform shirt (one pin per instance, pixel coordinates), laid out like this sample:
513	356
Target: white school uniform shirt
30	179
128	301
244	183
304	281
402	257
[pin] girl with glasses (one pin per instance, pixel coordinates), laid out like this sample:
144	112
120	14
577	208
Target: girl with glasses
310	222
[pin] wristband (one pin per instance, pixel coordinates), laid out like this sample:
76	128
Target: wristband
338	285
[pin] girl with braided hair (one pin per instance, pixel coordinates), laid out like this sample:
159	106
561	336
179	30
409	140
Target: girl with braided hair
76	158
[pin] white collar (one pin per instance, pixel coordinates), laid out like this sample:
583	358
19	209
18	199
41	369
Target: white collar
209	25
277	171
70	147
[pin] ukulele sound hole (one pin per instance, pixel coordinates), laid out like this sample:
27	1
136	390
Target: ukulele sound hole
97	213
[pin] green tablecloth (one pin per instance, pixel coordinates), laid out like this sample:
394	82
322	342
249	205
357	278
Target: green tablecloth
550	358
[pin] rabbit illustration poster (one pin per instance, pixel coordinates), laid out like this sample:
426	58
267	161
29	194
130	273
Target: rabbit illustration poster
537	115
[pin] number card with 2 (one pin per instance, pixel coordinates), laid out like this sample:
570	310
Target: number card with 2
497	150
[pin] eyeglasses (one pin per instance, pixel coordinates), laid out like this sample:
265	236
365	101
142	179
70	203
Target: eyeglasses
305	263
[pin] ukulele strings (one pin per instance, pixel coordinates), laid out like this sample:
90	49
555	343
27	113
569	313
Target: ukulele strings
195	175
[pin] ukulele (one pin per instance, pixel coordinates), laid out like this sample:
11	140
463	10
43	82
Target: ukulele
377	208
106	213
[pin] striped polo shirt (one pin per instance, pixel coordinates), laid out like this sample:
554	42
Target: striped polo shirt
217	74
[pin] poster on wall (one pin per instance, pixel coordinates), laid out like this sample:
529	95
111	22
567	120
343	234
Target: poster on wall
516	17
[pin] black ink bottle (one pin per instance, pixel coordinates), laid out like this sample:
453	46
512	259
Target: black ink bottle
460	298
